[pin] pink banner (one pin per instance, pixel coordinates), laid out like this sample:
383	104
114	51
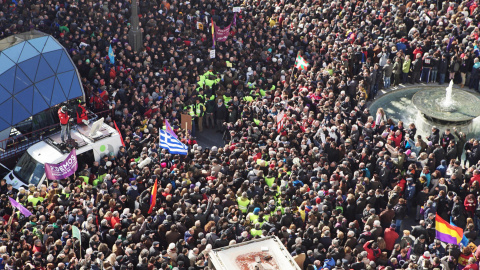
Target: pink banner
64	169
222	34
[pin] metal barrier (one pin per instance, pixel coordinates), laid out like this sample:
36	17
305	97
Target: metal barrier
15	146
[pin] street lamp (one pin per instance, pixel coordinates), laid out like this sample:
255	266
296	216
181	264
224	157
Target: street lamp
135	34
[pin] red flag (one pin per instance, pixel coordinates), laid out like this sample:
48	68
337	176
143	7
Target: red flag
280	119
119	133
153	199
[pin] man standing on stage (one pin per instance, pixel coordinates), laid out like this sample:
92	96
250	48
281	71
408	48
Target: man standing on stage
65	127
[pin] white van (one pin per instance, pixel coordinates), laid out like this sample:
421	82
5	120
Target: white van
93	142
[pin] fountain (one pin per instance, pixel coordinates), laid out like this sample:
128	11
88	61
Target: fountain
428	105
450	108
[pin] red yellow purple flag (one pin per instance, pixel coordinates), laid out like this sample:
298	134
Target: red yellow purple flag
213	33
153	199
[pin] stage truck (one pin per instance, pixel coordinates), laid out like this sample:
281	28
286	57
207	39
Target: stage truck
92	142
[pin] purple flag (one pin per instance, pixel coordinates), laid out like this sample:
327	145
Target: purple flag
169	129
449	43
64	169
20	207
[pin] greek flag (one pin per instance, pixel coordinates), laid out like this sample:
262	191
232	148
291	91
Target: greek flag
171	143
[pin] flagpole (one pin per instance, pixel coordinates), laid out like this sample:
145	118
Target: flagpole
9	224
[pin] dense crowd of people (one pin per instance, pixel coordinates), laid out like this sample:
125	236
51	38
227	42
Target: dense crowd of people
334	182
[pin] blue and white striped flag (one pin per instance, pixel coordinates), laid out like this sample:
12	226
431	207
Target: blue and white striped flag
171	143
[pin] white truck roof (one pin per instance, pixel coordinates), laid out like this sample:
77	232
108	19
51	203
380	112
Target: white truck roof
268	253
45	153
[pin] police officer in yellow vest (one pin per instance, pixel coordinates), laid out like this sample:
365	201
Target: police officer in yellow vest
254	216
257	231
243	202
190	110
35	198
202	96
199	111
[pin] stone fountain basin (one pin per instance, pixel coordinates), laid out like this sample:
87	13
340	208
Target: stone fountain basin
398	106
466	105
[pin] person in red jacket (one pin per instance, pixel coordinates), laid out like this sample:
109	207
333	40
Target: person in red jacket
373	252
65	127
475	178
470	204
390	236
472	265
82	115
396	137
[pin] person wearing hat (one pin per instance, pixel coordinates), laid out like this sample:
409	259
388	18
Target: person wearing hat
409	193
154	249
426	256
82	115
65	237
64	118
254	215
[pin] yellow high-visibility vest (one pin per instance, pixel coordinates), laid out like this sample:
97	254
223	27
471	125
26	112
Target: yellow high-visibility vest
243	204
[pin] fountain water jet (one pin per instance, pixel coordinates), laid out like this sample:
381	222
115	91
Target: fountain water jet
447	107
447	102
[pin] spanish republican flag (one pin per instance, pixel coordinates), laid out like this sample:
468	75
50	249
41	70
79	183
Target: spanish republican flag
213	33
153	199
446	232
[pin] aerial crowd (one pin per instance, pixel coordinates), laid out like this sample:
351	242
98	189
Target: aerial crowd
340	186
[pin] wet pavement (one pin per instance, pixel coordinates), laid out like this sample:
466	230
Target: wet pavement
209	138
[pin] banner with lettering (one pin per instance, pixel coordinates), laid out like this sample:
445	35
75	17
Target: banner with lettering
64	169
221	35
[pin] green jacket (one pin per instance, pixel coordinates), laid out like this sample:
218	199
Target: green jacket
406	66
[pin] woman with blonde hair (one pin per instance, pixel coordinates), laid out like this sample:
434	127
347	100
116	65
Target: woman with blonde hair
380	116
382	245
442	185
